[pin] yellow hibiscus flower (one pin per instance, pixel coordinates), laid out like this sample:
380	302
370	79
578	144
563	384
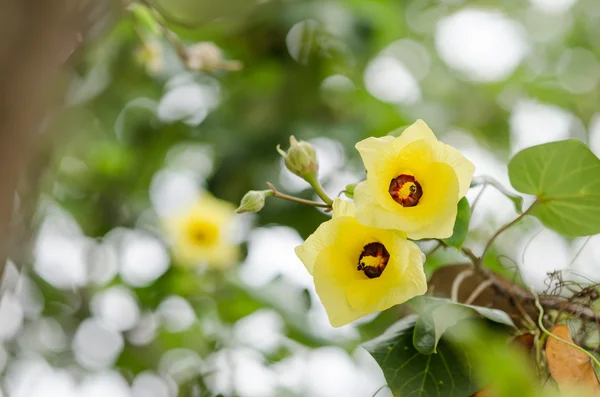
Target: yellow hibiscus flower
414	183
201	234
358	269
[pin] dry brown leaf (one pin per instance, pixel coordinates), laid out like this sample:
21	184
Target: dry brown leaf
568	365
483	393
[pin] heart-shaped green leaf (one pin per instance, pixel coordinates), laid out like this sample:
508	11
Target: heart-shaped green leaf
412	374
461	226
565	178
437	315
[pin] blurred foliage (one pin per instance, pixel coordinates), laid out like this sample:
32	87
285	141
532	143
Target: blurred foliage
111	141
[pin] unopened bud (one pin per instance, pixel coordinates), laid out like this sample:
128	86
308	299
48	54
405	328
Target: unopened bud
253	201
349	191
208	57
301	158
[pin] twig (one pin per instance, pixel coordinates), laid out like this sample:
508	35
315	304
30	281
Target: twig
541	325
479	262
484	186
465	250
171	37
477	291
380	389
457	283
489	181
439	244
298	200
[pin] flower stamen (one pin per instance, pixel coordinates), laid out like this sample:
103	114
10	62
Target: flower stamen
373	260
405	190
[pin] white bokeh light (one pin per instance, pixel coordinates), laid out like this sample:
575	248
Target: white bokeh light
483	44
149	384
143	259
270	254
176	314
413	55
95	346
11	316
172	190
181	365
594	134
145	330
104	384
61	251
188	102
533	123
262	330
337	83
387	79
116	307
556	6
578	70
242	372
300	39
102	263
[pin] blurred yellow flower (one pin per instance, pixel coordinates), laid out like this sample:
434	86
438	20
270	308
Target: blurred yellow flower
201	234
358	269
150	55
414	183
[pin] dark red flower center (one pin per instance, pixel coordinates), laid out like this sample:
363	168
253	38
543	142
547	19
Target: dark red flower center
405	190
373	260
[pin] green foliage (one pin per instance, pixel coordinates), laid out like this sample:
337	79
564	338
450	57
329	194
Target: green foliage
412	374
438	315
461	226
565	178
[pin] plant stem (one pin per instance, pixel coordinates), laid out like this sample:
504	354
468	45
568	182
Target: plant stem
479	263
489	181
298	200
541	325
313	180
465	250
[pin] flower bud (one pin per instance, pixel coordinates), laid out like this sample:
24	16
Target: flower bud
253	201
301	158
349	191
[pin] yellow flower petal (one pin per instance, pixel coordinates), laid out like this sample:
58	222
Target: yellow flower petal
414	183
200	234
463	168
345	290
433	217
343	208
323	237
403	279
418	130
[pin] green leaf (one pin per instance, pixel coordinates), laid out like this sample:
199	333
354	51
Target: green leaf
565	177
437	315
461	226
412	374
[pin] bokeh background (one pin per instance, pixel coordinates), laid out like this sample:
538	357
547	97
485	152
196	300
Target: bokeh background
97	305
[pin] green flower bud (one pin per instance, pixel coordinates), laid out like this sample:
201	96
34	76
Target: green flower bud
301	158
349	191
253	201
